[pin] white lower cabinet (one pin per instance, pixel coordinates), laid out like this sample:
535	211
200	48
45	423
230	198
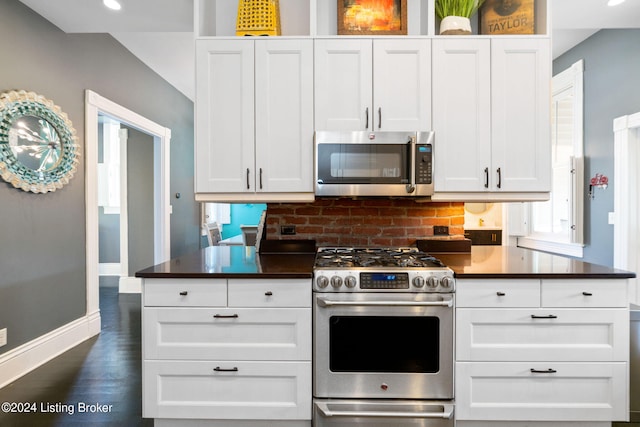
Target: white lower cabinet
541	391
242	354
227	390
542	350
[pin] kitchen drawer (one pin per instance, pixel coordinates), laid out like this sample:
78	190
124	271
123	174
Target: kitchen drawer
558	392
585	293
568	335
270	293
185	292
248	390
227	333
498	293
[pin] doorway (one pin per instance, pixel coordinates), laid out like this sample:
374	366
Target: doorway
95	106
125	203
626	200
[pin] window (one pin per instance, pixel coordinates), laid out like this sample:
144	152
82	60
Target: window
557	224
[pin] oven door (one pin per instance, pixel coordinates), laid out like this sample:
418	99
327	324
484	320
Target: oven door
383	345
382	413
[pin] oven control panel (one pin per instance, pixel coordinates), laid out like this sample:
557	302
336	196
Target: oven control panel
384	280
433	280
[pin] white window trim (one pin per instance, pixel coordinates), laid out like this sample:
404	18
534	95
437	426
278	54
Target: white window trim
570	79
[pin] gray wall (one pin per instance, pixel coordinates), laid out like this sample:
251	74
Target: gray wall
42	236
140	199
611	89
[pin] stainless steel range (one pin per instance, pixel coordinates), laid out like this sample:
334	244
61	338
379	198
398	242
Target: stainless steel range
383	338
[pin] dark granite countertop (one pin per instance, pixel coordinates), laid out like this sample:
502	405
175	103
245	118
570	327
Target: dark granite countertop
483	262
233	262
507	262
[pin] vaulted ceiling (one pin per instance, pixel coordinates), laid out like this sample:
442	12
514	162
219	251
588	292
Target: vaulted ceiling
160	32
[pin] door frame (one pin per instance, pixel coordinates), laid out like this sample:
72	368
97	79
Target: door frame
95	104
626	233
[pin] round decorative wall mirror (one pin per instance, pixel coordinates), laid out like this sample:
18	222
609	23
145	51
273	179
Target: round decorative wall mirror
38	144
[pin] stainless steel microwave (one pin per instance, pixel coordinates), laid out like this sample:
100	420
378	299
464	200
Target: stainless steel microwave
369	164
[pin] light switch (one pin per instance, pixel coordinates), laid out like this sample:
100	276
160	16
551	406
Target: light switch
612	217
3	337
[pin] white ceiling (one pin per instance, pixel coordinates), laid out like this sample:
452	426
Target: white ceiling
160	32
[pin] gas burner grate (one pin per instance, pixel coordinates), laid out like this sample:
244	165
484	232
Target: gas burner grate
375	257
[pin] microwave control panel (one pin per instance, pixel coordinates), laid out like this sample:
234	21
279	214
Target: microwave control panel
424	163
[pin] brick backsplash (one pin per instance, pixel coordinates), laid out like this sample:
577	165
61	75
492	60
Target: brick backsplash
366	222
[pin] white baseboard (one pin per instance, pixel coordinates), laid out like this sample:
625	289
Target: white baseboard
109	269
130	285
24	359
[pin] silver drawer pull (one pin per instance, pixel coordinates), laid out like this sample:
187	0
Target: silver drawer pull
550	316
225	316
322	302
184	293
219	369
447	413
546	371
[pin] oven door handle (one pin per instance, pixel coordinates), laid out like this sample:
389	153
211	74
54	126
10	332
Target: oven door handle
323	302
446	414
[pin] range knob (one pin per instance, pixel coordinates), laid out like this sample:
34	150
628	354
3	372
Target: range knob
350	282
418	282
432	282
446	282
322	282
336	281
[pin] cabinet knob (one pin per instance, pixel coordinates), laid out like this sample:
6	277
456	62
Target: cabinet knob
587	294
500	294
184	293
269	293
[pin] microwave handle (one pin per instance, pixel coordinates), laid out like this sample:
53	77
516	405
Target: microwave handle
411	187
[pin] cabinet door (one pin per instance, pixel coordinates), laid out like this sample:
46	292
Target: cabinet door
224	116
569	392
462	114
521	141
542	334
284	115
401	85
227	333
343	84
227	390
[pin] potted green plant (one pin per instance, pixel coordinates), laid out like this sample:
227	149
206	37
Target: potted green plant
455	14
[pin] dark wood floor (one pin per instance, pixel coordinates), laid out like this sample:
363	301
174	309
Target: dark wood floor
103	370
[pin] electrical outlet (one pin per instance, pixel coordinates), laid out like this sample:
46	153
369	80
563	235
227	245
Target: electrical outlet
440	230
287	230
3	337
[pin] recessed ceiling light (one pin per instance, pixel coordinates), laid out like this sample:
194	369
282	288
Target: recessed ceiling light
113	4
614	2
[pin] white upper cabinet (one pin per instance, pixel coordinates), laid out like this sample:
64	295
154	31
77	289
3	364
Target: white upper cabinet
224	116
520	114
462	113
284	115
343	84
254	119
491	103
364	84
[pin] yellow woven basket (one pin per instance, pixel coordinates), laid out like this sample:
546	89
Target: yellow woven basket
258	18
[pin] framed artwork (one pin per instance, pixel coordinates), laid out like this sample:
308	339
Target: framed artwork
372	17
